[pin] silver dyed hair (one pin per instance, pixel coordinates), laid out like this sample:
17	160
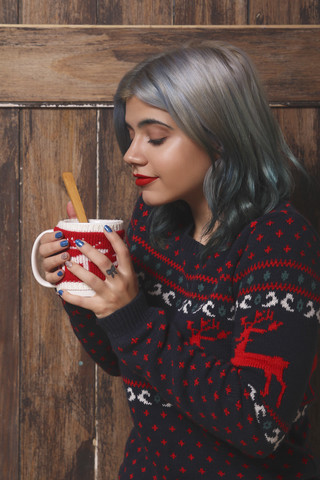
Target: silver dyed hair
212	92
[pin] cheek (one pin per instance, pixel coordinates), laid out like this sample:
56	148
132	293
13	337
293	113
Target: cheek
196	164
181	162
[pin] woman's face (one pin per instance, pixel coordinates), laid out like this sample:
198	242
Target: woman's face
166	164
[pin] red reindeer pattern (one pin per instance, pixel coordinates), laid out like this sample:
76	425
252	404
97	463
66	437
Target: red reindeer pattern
205	326
271	365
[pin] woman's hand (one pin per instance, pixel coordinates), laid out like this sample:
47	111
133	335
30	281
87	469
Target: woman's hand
120	285
52	246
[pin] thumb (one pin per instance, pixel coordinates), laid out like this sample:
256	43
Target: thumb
70	210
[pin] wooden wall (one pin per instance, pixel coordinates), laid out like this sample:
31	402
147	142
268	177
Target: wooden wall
60	416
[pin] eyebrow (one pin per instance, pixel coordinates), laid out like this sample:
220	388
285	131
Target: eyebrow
150	121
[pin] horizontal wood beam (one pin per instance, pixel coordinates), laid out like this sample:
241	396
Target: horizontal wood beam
48	63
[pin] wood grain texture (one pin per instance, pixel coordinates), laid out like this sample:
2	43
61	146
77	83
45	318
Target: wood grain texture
60	421
284	12
58	12
139	12
300	127
118	192
117	195
85	64
215	12
9	294
57	392
9	11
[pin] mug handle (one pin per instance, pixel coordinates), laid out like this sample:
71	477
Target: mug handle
34	264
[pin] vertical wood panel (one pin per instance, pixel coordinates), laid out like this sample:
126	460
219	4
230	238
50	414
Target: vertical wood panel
215	12
118	191
300	127
138	12
9	294
57	393
58	12
284	12
118	194
58	378
9	11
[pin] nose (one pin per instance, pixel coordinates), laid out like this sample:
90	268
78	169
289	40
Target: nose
134	154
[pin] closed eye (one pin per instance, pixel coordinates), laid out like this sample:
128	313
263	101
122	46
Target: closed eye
157	141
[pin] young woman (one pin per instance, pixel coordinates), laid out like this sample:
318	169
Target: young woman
212	315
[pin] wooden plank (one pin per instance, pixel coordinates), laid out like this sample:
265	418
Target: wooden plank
117	195
9	11
58	378
118	191
216	12
85	63
275	12
113	421
9	294
142	12
300	127
58	12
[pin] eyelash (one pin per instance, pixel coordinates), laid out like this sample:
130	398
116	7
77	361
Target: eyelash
157	141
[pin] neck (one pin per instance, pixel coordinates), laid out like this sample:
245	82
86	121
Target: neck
201	216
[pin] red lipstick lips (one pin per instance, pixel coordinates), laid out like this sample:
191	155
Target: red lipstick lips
142	180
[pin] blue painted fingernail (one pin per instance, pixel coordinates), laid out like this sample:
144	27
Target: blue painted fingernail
60	273
59	235
60	292
64	243
107	228
79	243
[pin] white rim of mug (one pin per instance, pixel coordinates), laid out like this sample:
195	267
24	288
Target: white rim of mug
73	225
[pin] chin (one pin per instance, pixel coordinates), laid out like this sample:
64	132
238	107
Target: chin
153	200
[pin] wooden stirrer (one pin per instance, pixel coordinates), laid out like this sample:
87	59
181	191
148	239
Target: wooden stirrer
73	193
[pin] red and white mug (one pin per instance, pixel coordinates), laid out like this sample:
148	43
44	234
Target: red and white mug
92	233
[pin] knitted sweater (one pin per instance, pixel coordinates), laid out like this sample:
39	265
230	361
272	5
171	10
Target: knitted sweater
216	357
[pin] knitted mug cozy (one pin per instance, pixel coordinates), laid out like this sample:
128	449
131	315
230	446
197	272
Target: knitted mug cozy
92	233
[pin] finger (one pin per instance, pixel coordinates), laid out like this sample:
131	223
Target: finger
52	247
51	237
120	248
84	302
98	258
88	278
51	264
54	277
71	210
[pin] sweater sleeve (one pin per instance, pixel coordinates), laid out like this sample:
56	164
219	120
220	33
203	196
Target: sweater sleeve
255	398
93	338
